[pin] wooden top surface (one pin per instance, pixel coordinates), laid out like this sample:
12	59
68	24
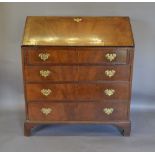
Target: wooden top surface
77	31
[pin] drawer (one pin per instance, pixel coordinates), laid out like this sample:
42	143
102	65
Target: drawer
77	73
64	55
48	73
79	111
95	92
48	55
103	55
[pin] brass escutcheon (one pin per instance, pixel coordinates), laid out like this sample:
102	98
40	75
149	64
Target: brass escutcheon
46	111
109	92
44	56
44	73
77	20
111	56
110	73
46	92
108	111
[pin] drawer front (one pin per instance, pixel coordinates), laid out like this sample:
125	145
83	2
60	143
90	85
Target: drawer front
53	55
80	73
48	73
59	92
103	55
47	55
82	111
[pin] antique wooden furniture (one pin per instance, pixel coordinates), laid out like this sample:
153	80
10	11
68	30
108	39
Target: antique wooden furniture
77	70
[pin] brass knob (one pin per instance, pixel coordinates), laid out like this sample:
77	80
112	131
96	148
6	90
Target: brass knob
44	56
109	92
108	111
110	73
46	92
46	111
77	20
111	56
44	73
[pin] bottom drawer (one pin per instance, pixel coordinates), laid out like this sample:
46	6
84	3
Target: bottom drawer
82	111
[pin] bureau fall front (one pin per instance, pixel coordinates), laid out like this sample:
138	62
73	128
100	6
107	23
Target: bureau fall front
77	70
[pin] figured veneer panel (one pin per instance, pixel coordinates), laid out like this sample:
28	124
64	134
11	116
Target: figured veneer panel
74	91
77	73
78	111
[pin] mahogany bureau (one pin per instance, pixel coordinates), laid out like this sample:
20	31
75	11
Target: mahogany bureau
77	70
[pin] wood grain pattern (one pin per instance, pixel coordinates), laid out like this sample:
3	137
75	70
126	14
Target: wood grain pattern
76	73
86	111
83	55
77	91
91	31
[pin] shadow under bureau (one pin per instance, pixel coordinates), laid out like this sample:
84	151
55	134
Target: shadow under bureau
77	70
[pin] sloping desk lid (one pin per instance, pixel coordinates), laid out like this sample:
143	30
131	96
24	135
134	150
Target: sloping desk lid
77	31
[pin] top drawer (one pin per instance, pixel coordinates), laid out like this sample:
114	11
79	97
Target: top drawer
72	55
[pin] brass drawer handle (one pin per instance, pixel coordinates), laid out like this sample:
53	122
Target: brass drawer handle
44	56
45	73
108	111
109	92
111	56
77	20
46	111
110	73
46	92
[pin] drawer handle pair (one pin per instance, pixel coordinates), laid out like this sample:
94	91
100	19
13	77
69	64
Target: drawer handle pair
44	56
46	73
108	92
111	56
46	111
